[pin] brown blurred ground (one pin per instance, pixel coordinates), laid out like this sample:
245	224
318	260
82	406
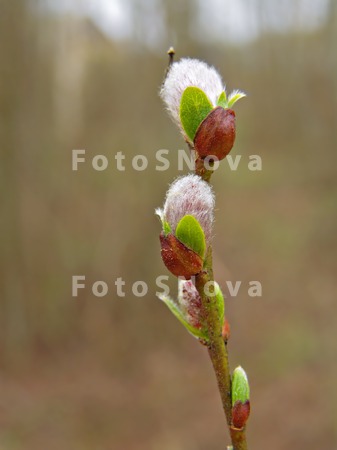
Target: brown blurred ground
115	373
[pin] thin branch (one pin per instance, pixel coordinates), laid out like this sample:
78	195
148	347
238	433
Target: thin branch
216	347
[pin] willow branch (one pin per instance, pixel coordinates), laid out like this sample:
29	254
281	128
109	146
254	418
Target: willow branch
216	347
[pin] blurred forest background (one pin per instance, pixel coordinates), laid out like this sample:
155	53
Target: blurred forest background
121	373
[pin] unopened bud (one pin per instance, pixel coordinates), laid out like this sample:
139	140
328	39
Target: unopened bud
240	398
226	331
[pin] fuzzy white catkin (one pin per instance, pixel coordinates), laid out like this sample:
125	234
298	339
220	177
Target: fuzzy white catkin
190	195
189	72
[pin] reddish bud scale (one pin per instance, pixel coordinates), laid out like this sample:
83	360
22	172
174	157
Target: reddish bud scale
216	134
179	259
240	414
226	331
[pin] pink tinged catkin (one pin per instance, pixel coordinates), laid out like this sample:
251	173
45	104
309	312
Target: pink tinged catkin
190	302
190	195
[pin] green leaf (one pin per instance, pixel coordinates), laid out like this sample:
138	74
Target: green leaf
166	228
190	233
220	303
222	100
234	97
194	108
174	308
240	386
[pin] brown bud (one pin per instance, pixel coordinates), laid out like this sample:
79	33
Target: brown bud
216	134
179	259
240	414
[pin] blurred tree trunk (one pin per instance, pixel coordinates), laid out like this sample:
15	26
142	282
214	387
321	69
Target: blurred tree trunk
13	28
332	39
24	118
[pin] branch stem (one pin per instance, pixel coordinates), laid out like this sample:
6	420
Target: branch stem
216	347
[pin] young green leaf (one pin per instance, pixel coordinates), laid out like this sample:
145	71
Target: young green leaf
166	228
234	97
220	302
222	100
190	233
240	386
173	307
194	108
